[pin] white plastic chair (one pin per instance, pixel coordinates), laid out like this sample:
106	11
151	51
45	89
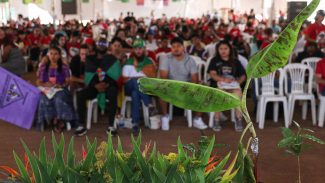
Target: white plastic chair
312	62
321	110
266	92
206	74
211	48
126	112
161	55
92	112
187	113
211	117
297	73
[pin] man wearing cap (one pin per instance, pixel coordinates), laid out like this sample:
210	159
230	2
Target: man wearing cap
178	66
316	28
138	66
102	71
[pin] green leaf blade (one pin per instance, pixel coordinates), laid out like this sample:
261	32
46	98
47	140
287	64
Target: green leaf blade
189	95
276	54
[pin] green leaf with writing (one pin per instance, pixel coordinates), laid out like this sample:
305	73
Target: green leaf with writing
276	54
188	95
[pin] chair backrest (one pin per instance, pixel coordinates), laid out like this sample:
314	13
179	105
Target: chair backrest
201	65
206	74
266	84
295	78
211	48
311	61
160	55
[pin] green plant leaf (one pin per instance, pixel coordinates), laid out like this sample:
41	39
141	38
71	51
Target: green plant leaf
181	153
23	172
153	153
286	132
188	95
276	54
158	173
90	156
171	173
71	154
286	142
43	171
308	130
54	143
127	171
207	153
62	143
312	138
119	145
42	153
88	143
143	165
33	164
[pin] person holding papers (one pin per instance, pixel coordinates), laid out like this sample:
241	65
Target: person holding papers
227	74
54	105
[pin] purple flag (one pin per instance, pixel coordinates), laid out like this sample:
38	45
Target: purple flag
18	100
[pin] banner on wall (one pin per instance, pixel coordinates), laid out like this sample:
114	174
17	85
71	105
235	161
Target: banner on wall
33	1
140	2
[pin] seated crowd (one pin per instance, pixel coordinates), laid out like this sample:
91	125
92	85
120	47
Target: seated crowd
103	60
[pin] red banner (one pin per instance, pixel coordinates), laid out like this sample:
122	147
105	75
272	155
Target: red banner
140	2
166	2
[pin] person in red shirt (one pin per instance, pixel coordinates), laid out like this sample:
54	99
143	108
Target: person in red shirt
250	29
316	28
73	46
268	33
235	32
320	76
163	46
35	44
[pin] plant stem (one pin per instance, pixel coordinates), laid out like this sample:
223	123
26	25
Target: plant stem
299	177
245	111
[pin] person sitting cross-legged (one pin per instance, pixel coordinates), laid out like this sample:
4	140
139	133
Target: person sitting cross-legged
137	67
179	66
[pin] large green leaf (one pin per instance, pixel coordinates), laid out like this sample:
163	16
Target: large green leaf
276	54
189	95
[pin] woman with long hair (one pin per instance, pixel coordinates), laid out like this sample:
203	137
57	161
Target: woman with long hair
227	74
53	79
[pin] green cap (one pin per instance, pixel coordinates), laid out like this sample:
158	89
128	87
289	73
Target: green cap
138	43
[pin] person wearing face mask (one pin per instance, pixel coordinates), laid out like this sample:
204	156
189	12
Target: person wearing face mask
136	67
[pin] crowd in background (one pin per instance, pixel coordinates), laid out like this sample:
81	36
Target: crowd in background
68	55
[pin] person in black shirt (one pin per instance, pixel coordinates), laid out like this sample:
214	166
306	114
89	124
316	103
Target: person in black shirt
228	74
77	66
101	74
311	50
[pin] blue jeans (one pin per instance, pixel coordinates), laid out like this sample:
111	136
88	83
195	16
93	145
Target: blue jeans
132	89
